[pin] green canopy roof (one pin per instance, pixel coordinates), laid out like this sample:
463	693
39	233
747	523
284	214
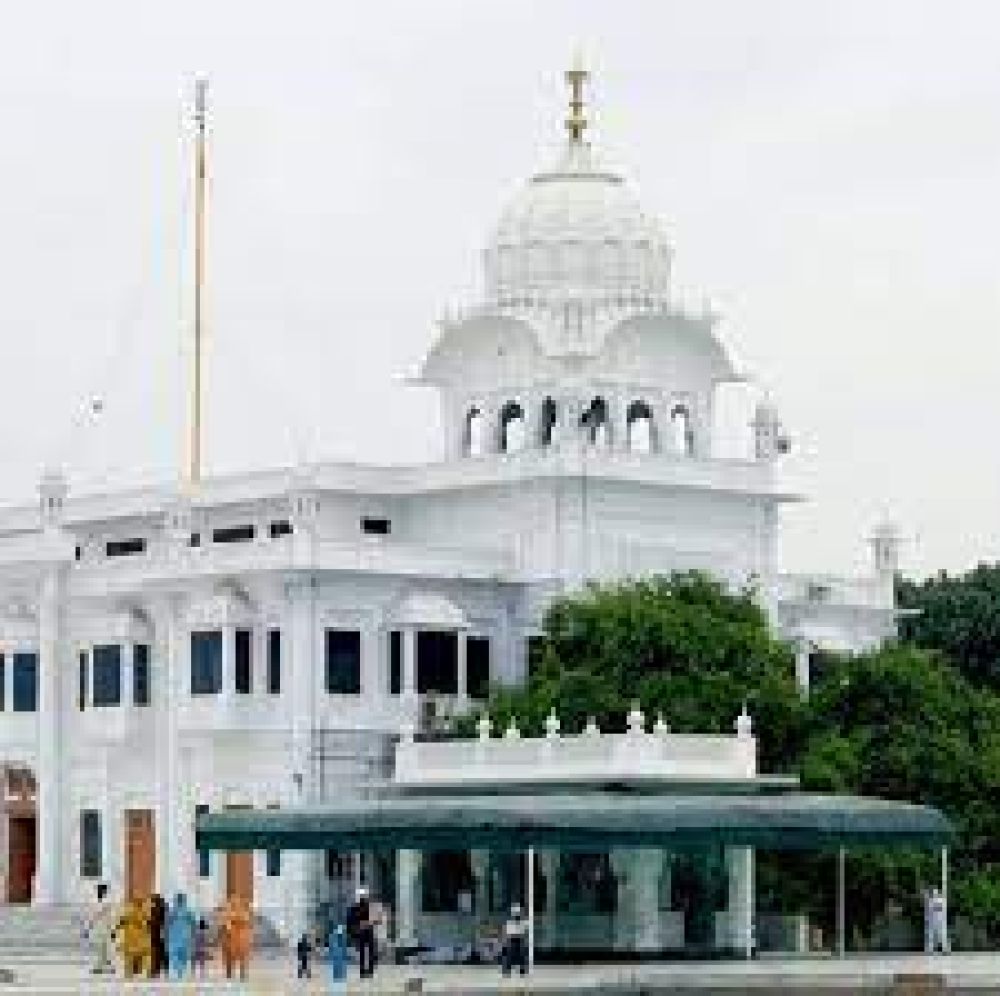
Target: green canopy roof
594	821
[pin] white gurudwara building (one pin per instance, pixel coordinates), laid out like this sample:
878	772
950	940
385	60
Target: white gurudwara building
262	639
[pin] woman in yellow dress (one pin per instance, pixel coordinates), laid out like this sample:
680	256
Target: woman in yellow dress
133	937
236	935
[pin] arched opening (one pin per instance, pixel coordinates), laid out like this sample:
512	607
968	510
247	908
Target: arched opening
474	433
549	419
639	428
682	430
512	434
595	422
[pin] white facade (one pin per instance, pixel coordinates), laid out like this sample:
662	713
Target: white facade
578	411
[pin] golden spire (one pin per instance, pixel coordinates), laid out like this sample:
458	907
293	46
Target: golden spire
576	123
200	176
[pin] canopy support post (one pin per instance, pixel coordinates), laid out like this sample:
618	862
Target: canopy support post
944	888
841	912
531	907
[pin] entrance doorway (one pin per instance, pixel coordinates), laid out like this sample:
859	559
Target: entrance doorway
239	871
140	853
22	858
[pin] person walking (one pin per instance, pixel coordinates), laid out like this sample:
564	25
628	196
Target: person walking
157	939
100	931
515	947
202	944
936	915
132	931
337	954
236	936
303	954
179	930
361	927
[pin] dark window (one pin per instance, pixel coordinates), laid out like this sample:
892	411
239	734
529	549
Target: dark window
77	553
84	680
274	661
195	539
244	661
447	874
478	662
3	682
25	681
125	548
280	528
536	647
90	843
204	855
233	534
107	675
140	674
375	527
335	865
206	662
343	661
273	862
395	662
437	663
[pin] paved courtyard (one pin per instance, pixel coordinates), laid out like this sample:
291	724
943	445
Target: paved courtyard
903	974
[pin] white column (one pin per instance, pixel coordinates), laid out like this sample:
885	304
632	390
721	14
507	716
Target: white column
841	906
372	686
740	861
463	670
802	649
480	861
409	677
648	865
128	673
8	680
530	891
167	674
549	866
49	879
407	907
228	662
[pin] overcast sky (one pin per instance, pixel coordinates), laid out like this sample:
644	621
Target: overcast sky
829	173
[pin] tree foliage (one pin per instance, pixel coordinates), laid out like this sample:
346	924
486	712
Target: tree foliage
900	723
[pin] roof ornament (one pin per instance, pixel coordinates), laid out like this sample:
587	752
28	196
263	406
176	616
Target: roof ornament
484	726
512	732
552	725
576	123
660	727
744	724
636	720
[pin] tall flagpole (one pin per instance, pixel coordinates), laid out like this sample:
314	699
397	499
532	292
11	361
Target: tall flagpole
200	173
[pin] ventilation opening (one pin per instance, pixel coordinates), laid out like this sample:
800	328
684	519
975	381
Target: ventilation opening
474	432
125	548
372	526
682	430
511	428
233	534
595	422
640	429
548	422
280	528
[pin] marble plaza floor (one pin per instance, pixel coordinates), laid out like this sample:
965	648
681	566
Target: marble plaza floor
902	974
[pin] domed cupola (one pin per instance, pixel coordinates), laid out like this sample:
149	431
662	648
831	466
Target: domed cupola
576	231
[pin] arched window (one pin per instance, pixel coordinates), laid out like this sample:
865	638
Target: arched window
549	419
474	434
595	422
639	428
682	430
512	434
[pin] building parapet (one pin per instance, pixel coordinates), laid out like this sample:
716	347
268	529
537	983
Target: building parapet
816	591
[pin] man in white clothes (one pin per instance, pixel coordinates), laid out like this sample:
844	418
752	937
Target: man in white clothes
936	913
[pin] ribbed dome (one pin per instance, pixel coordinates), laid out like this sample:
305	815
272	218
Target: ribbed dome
576	231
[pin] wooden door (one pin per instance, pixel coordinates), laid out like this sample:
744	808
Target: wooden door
22	858
239	875
140	853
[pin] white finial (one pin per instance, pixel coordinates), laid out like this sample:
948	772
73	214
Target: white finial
552	725
660	727
591	729
512	732
744	724
408	732
484	727
635	719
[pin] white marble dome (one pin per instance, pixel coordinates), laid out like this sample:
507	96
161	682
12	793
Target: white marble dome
577	230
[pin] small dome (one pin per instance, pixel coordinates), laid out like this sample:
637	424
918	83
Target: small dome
576	230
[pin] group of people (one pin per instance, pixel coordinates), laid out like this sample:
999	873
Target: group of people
363	917
155	939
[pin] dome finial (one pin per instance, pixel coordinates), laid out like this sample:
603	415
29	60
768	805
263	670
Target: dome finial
576	123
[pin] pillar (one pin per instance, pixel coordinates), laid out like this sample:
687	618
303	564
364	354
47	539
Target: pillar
409	676
740	862
228	663
802	651
463	670
49	877
480	861
407	899
548	932
167	680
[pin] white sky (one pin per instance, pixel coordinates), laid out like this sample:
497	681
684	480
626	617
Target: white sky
828	172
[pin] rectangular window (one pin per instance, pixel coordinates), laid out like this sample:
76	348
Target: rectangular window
334	865
206	662
280	528
274	661
204	855
233	534
478	662
84	680
90	843
273	862
25	681
437	663
244	661
372	526
107	675
195	539
395	662
343	661
125	548
140	674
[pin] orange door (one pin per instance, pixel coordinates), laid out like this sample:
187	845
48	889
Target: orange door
140	853
239	875
21	858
